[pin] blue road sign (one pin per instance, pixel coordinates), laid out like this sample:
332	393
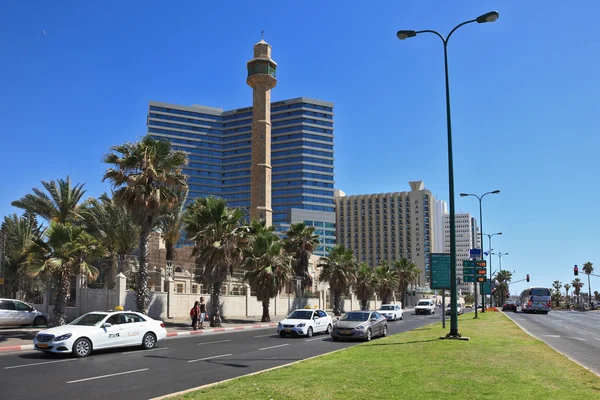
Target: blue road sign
475	253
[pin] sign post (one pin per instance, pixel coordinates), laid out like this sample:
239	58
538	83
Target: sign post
439	267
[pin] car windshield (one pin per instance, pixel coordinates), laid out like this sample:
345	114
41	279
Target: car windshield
300	315
355	316
510	302
89	319
423	303
387	308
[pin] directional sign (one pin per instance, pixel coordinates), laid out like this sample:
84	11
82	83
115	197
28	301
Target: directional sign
440	271
468	278
487	287
481	271
474	263
468	271
474	253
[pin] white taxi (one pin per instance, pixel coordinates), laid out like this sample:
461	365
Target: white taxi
305	322
101	330
392	312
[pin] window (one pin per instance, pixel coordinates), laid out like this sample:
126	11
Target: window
132	318
21	306
7	305
179	288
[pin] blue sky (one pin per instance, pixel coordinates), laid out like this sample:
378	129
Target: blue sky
524	93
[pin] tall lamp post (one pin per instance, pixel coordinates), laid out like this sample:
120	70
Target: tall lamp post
480	198
490	235
405	34
500	258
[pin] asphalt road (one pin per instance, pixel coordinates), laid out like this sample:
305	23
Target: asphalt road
176	364
575	334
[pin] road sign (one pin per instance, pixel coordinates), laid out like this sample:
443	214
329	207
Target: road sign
481	271
475	263
468	271
440	271
468	278
487	287
475	253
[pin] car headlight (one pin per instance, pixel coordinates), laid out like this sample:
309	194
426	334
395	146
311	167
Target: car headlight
360	327
301	325
62	337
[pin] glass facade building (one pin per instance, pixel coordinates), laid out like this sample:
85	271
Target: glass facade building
218	144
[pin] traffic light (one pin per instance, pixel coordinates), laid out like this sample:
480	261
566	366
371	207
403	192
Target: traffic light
575	271
507	295
527	277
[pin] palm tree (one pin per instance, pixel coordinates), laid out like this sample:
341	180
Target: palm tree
109	221
171	222
567	287
387	282
60	204
588	268
67	251
503	277
577	285
301	241
339	269
407	274
365	285
219	236
269	268
557	285
596	295
145	176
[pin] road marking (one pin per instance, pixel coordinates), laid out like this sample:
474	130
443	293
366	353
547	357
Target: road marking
272	347
270	334
40	363
209	358
582	333
566	327
310	340
576	338
108	376
142	351
554	336
216	341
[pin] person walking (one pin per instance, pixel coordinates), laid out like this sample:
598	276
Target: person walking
195	313
202	312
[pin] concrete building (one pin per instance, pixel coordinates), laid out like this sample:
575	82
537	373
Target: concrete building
440	210
230	155
388	226
466	239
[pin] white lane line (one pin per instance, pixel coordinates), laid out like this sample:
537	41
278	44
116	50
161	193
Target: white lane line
554	336
582	333
216	341
40	363
270	334
108	376
143	351
319	338
209	358
566	327
272	347
577	338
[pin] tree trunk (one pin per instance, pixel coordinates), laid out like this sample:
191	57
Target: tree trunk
265	315
60	304
112	272
364	305
215	299
170	250
336	303
589	291
142	294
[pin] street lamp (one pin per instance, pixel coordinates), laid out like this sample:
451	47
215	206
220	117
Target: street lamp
480	198
500	258
490	244
405	34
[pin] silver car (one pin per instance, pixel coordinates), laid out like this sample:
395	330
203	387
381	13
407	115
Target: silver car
16	313
360	325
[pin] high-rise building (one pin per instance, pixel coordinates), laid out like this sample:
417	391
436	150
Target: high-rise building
466	239
440	210
388	226
221	145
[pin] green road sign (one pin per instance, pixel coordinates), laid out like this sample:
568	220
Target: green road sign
468	278
440	271
475	263
468	271
487	287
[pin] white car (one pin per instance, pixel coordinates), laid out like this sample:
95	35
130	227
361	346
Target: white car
459	309
391	311
425	306
101	330
305	322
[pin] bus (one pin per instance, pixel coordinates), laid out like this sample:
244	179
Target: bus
536	300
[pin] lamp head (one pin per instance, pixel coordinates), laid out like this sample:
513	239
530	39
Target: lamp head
499	233
406	34
488	17
463	195
495	192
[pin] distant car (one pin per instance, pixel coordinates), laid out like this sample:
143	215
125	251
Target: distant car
459	309
425	306
392	312
509	305
17	313
101	330
303	322
360	325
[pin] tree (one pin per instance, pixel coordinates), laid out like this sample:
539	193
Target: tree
218	237
365	285
469	298
557	285
269	268
145	176
338	268
171	222
596	295
567	287
67	251
577	285
301	241
387	282
407	274
588	268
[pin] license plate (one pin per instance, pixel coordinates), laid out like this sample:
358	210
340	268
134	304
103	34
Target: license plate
42	345
288	330
345	332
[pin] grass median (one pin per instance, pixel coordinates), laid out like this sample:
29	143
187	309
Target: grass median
499	362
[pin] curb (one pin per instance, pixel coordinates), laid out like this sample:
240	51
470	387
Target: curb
16	348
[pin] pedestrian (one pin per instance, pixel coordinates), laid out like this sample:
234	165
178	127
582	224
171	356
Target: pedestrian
195	313
202	312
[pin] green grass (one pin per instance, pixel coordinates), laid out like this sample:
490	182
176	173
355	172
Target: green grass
499	362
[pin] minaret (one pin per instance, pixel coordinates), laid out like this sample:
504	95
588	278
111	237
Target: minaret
261	77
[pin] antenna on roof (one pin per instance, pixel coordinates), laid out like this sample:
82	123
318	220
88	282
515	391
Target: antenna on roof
262	35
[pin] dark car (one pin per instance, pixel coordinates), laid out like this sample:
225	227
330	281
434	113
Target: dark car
360	325
509	305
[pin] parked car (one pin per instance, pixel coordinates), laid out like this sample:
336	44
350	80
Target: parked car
101	330
425	306
304	322
509	305
459	309
391	311
17	313
360	325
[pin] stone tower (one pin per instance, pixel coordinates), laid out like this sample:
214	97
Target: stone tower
261	77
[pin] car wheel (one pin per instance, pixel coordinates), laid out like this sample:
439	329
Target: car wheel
281	334
40	321
309	333
401	317
149	341
329	329
82	348
385	331
369	335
